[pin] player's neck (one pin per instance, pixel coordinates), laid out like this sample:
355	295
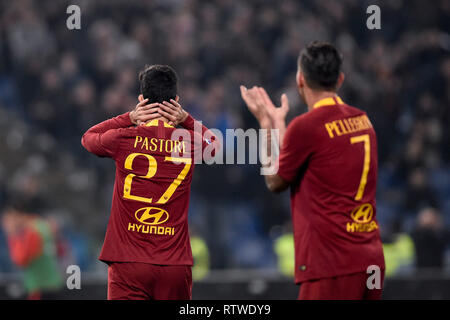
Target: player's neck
314	96
159	119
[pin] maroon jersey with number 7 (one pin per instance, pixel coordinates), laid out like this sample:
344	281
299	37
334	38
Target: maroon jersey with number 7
329	156
149	214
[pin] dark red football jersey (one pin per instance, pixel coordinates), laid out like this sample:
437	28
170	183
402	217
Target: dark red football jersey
329	156
149	214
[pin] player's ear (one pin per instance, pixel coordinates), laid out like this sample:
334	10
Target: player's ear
141	98
300	79
340	80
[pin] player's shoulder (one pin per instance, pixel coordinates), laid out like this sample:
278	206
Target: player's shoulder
306	119
134	130
334	112
119	136
314	118
302	118
351	109
119	133
299	126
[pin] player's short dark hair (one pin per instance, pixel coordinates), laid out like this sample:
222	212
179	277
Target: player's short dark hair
158	83
320	63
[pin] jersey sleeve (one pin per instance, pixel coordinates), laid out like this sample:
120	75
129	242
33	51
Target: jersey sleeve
202	139
102	139
295	150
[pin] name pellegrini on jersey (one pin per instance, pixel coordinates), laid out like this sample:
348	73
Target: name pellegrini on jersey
348	125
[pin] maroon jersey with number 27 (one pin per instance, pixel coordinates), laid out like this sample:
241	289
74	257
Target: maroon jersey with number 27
149	214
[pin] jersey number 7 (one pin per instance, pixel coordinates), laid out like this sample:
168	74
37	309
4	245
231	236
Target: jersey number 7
362	184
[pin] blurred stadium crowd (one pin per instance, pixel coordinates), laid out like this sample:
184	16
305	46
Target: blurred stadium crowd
55	83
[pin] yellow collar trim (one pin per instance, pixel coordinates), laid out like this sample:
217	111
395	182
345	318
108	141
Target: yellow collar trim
155	123
328	102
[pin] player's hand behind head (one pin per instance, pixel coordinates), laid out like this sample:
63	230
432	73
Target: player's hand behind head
173	112
144	112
